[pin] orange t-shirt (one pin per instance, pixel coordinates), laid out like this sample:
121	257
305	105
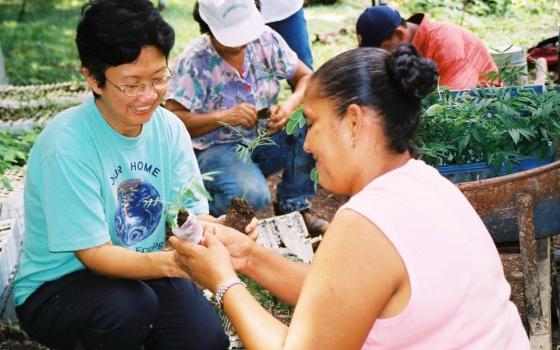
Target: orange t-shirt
460	56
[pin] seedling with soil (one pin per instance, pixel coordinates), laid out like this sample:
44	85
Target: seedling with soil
240	211
179	221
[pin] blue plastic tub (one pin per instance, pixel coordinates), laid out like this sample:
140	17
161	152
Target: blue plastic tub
537	89
481	170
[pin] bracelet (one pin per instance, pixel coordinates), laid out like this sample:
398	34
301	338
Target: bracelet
219	296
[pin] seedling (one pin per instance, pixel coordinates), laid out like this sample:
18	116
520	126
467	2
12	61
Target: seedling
240	212
492	125
297	121
508	73
177	217
245	148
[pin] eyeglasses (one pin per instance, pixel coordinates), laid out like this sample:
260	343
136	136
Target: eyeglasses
136	90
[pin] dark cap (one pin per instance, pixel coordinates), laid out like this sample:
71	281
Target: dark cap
376	24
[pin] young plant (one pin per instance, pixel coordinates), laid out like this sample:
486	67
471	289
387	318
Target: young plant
240	212
245	148
296	122
177	217
495	125
508	73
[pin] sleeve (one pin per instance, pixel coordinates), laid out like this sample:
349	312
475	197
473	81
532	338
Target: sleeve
284	60
73	206
188	87
185	167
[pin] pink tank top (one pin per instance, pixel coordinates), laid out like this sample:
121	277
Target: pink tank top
460	297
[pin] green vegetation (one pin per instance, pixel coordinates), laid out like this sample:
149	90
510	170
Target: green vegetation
499	23
14	151
40	47
496	126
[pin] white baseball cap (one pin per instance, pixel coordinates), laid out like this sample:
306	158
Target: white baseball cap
232	22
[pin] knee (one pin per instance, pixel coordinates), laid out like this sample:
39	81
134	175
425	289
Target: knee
216	339
258	197
132	309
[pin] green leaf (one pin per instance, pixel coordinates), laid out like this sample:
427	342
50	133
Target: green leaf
434	109
463	143
514	133
314	175
296	121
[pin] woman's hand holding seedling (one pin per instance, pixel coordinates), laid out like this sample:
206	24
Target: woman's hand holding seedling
251	229
190	229
244	114
239	245
208	263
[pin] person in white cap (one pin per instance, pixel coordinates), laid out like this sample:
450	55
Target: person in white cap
287	18
226	75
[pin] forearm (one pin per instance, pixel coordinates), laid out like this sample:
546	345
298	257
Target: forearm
296	98
281	277
119	262
206	217
199	124
256	328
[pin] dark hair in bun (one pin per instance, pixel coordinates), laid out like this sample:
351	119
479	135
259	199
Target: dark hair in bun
415	76
391	84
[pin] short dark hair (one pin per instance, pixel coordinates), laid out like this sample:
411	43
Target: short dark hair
390	35
392	84
202	26
113	32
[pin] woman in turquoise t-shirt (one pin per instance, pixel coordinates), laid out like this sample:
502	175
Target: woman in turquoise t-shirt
94	273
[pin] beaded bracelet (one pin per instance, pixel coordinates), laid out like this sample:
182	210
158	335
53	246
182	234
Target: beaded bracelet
219	296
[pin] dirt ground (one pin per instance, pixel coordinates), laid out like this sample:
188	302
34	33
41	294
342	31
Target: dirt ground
326	203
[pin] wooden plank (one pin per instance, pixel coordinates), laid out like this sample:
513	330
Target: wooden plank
535	258
495	201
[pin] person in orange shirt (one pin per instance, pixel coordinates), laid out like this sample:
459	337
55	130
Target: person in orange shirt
460	56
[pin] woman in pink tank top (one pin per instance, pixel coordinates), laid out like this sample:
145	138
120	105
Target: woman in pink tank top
405	264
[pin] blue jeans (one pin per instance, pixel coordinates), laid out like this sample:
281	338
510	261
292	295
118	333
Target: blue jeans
237	178
294	30
83	310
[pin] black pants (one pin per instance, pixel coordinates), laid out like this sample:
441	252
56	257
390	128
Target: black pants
84	310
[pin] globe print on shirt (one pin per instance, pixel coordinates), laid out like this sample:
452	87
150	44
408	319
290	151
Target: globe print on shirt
134	220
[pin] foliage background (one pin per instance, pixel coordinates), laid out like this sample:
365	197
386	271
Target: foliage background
40	47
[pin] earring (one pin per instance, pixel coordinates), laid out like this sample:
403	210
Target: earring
353	141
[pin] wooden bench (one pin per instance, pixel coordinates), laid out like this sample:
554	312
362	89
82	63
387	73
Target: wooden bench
525	207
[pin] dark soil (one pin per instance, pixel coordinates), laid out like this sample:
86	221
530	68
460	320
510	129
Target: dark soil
181	219
263	113
239	214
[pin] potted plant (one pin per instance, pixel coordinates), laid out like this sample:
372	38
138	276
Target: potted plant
179	221
488	132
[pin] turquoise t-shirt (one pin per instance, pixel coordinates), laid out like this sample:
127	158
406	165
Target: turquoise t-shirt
86	184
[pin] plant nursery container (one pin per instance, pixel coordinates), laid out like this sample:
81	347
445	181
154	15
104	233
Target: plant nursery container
497	202
515	55
481	170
